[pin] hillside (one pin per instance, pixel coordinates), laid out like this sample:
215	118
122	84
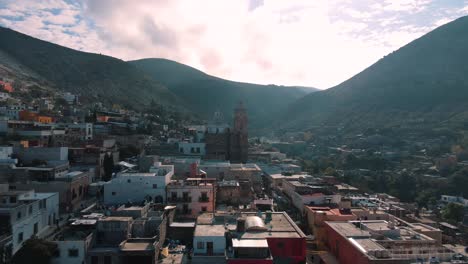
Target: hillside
95	77
424	83
205	94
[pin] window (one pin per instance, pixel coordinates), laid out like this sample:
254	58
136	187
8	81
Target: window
181	150
73	252
18	215
113	193
36	228
198	150
12	199
129	181
155	186
30	209
200	245
20	237
192	150
203	208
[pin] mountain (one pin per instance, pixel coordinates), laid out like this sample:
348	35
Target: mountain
99	78
205	93
424	83
93	76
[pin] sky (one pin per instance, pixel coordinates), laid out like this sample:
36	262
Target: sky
316	43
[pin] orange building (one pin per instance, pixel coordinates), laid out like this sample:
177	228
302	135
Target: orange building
26	115
45	119
317	216
6	86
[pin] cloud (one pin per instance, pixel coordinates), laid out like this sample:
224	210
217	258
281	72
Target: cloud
300	42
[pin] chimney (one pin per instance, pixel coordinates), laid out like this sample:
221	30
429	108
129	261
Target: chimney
240	225
193	170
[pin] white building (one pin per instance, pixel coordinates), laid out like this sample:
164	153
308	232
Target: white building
72	246
216	169
137	186
189	148
4	96
303	194
70	98
454	199
6	153
208	241
12	112
29	214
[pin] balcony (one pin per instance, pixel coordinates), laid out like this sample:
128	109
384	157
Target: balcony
179	199
204	199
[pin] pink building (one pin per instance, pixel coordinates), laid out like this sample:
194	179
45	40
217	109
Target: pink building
192	196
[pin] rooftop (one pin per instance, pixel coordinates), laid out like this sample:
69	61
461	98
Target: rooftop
69	234
247	243
347	229
116	218
280	225
209	230
137	245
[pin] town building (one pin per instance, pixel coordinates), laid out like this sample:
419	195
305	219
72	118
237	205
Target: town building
136	187
269	237
73	242
223	143
192	196
72	188
380	241
192	148
209	243
302	194
27	213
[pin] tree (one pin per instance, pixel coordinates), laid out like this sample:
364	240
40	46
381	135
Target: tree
108	165
36	251
453	212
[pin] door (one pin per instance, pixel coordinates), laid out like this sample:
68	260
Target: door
209	248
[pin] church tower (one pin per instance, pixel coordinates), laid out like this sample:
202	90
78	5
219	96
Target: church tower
239	137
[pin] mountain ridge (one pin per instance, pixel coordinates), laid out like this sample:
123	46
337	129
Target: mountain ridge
423	81
213	93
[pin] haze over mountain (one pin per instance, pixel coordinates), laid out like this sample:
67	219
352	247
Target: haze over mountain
422	83
207	93
93	76
106	79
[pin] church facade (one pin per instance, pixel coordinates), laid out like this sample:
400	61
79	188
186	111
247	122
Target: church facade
226	143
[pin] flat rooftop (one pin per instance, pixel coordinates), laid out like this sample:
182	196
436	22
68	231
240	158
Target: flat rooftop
377	226
68	234
280	225
249	243
137	246
37	196
71	174
347	229
367	244
209	230
116	218
138	174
